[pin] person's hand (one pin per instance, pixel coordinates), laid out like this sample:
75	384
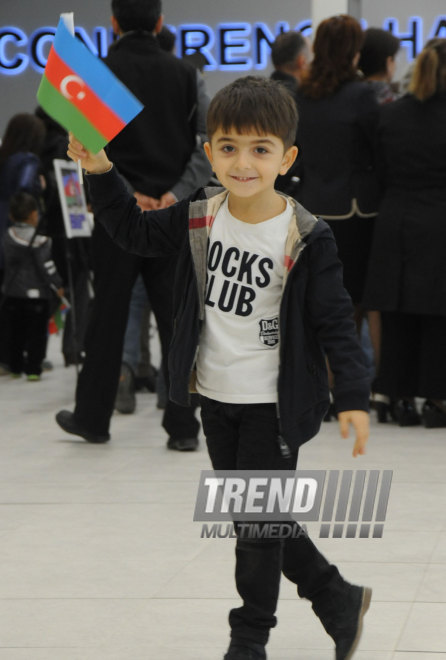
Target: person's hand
167	200
93	163
146	203
60	292
359	419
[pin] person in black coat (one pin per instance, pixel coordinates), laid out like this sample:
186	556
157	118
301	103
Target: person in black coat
153	153
338	115
407	274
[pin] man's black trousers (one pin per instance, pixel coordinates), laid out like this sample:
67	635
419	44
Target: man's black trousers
245	437
115	272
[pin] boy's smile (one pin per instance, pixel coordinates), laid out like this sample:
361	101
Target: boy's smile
248	164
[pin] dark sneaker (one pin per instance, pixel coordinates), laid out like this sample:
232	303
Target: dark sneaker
182	444
239	651
125	402
348	637
342	617
66	421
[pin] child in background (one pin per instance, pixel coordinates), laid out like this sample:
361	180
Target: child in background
257	279
31	280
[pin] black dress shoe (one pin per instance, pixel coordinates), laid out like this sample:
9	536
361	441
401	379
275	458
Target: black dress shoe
382	410
182	444
67	422
239	651
405	413
433	417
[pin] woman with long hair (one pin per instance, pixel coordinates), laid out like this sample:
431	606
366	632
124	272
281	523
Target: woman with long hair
407	274
338	115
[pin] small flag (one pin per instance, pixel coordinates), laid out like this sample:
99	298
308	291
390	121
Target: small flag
57	320
82	94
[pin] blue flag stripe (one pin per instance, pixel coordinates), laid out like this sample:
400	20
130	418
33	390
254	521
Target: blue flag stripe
96	74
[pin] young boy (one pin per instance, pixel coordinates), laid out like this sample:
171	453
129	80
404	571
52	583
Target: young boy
258	304
30	280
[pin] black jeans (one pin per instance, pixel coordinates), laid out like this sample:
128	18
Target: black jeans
115	272
28	325
244	437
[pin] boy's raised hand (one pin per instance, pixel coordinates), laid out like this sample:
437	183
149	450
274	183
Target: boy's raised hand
359	419
93	163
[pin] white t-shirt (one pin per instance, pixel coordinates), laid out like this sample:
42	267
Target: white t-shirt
238	357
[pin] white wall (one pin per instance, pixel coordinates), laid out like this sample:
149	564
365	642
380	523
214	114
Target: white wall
324	8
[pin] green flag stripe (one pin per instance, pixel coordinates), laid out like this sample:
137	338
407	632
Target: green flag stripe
64	112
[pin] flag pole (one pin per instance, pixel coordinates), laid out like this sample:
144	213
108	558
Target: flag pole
68	19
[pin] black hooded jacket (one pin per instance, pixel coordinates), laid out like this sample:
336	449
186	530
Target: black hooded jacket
316	316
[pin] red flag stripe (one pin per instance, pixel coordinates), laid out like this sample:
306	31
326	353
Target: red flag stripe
199	223
70	85
289	263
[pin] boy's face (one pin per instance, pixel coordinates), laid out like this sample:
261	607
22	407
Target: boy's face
248	164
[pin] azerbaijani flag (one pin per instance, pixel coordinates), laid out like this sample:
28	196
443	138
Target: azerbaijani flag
82	94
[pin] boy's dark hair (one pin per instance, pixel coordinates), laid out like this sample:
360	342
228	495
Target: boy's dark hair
377	47
286	47
21	205
136	14
254	103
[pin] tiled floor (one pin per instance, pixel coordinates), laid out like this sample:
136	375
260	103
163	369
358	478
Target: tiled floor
100	558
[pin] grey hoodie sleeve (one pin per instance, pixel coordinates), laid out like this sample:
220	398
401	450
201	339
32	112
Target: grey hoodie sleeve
45	265
198	170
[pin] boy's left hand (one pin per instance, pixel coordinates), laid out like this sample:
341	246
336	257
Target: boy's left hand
359	419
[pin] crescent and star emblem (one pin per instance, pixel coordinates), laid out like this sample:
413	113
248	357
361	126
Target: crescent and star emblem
80	95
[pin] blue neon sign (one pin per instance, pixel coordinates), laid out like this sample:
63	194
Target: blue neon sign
192	37
18	51
237	46
12	61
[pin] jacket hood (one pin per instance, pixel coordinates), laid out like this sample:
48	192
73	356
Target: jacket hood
306	222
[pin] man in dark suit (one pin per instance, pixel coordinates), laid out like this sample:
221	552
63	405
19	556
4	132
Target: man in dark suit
161	158
290	55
